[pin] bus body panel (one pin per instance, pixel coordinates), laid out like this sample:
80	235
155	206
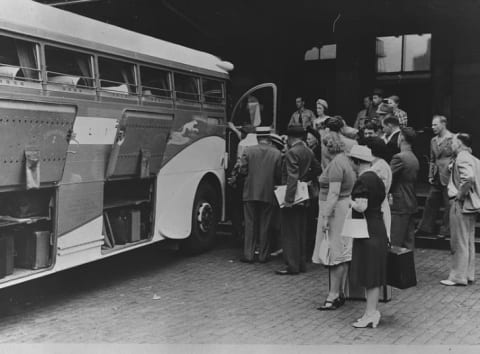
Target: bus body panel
178	181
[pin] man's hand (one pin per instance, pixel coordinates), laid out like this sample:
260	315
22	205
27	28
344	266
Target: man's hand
430	180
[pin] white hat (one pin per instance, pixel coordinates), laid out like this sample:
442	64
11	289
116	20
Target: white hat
263	130
323	103
361	152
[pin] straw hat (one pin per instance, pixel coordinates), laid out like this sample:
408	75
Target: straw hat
361	152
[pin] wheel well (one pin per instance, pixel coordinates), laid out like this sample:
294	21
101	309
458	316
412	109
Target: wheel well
212	180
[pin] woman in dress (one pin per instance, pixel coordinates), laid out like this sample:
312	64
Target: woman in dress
383	170
369	256
336	183
319	122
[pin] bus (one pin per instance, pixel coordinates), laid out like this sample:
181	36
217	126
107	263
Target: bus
110	140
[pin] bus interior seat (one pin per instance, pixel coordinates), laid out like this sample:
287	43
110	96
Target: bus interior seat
10	72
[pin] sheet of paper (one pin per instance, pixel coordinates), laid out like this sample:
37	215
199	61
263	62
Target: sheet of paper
300	196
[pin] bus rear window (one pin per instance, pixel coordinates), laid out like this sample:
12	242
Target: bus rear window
155	82
18	59
117	76
212	91
186	87
68	67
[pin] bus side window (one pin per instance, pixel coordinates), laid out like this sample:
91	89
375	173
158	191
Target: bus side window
19	59
67	67
213	91
186	87
155	82
117	76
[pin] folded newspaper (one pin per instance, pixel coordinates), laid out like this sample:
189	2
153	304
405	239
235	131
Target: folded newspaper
300	196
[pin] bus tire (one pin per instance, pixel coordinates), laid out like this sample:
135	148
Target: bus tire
205	216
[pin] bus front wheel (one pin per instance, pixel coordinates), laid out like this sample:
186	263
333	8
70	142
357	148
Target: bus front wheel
205	215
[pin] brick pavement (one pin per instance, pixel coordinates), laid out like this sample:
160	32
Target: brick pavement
156	296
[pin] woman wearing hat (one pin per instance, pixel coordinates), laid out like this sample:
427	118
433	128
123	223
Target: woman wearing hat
336	183
369	255
319	122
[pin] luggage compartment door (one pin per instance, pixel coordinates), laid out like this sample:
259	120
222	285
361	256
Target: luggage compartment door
39	128
139	145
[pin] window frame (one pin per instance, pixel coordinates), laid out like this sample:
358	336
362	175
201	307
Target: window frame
402	57
136	76
216	100
169	80
175	91
71	49
38	51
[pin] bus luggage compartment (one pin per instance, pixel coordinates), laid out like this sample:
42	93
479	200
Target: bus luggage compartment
34	139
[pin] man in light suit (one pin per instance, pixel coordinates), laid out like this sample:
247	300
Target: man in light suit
404	167
261	165
299	165
462	219
438	175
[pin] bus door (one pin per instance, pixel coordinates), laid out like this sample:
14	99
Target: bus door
133	165
257	107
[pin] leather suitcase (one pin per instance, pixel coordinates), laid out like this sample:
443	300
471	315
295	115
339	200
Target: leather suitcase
32	249
7	252
125	225
135	223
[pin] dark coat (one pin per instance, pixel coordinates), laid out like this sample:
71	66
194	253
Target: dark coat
299	165
404	167
392	147
261	164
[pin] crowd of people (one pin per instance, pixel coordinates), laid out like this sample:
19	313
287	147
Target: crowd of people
368	169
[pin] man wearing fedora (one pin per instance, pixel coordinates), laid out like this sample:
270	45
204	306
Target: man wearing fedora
404	167
299	165
261	165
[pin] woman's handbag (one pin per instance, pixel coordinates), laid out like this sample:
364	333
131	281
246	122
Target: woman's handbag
355	228
401	268
324	249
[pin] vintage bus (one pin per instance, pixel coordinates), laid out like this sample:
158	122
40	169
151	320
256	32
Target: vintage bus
109	141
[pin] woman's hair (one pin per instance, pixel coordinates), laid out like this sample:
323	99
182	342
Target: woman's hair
335	124
465	138
333	143
377	145
314	133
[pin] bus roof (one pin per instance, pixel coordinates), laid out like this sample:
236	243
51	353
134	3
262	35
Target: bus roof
47	22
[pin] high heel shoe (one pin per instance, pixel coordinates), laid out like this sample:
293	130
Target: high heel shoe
371	321
331	304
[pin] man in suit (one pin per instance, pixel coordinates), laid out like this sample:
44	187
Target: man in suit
404	167
299	165
438	175
391	128
462	219
261	164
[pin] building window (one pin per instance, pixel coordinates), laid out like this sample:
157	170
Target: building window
325	52
19	59
67	67
403	54
117	76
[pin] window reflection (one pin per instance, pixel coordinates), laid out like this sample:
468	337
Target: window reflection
417	52
389	54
